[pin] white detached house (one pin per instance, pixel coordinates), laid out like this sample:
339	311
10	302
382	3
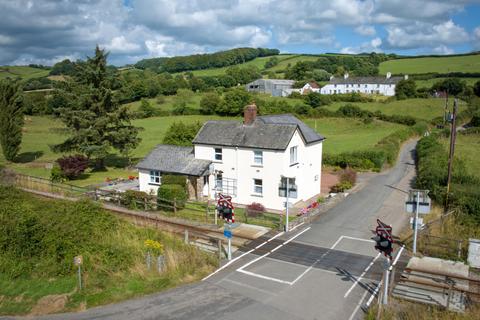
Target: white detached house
250	161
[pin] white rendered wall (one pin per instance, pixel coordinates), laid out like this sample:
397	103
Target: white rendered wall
144	182
238	163
384	89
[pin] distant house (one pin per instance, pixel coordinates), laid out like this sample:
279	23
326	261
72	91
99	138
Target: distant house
367	85
274	87
310	87
250	161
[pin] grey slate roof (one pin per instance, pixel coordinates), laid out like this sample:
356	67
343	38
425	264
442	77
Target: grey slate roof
267	132
365	80
174	159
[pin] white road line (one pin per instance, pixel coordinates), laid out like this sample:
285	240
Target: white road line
380	283
263	277
247	286
361	276
358	306
303	273
337	242
242	255
359	239
273	250
297	226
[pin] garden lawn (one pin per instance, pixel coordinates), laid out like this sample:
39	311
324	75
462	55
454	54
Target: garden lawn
467	148
425	109
345	134
22	72
447	64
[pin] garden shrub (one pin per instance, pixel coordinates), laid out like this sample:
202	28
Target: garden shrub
57	175
170	193
175	179
135	199
254	209
348	175
341	187
73	166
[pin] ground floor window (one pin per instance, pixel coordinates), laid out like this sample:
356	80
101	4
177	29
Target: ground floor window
154	177
258	186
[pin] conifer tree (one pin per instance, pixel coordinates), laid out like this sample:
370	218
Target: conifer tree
96	121
11	118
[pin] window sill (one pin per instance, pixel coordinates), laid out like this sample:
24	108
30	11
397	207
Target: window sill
294	164
217	161
154	184
257	195
257	165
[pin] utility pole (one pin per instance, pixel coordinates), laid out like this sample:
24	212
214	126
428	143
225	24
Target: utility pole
453	136
386	283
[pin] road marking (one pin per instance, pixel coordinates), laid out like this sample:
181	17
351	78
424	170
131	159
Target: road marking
358	306
264	277
361	276
273	250
359	239
380	283
298	225
240	284
242	255
303	273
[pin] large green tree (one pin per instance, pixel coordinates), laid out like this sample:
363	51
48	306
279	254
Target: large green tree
97	123
11	118
406	89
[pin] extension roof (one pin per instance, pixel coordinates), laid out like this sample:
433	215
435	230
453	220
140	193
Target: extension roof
365	80
267	132
174	159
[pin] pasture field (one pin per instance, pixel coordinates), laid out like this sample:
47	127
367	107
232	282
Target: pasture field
430	82
168	104
344	134
467	148
22	72
40	132
447	64
425	109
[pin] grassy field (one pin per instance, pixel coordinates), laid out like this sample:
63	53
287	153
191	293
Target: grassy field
22	72
425	109
467	148
40	132
349	134
429	83
168	103
113	251
432	64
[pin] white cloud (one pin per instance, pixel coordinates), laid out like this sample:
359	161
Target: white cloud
5	40
443	50
121	45
365	30
425	35
476	38
374	45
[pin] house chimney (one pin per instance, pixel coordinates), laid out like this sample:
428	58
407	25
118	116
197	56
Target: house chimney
405	77
389	74
345	76
249	114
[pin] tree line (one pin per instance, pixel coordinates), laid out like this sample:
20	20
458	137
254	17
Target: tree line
205	61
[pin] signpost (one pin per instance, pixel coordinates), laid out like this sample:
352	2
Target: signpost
417	202
78	260
228	234
384	241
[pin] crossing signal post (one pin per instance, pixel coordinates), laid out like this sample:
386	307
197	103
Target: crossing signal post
225	210
384	243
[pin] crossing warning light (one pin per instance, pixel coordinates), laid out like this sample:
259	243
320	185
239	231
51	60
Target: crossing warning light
225	208
383	239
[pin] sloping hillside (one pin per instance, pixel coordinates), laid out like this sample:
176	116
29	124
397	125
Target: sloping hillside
447	64
22	72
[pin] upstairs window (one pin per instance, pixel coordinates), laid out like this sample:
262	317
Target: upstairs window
258	186
293	155
258	157
218	154
154	177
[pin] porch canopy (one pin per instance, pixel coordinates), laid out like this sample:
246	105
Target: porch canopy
175	160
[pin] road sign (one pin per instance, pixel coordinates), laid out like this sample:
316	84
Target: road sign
227	233
384	230
419	223
78	260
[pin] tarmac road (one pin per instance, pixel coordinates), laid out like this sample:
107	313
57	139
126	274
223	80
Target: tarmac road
325	270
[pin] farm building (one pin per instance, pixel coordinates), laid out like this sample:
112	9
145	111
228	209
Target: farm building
367	85
274	87
250	161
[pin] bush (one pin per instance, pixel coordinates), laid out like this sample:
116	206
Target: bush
168	194
341	187
254	209
175	179
348	175
134	199
73	166
56	175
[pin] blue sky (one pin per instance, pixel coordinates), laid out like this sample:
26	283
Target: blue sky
47	31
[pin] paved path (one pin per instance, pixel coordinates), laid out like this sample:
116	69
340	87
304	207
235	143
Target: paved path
325	270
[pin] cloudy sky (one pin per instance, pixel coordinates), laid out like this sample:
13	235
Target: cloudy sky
46	31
